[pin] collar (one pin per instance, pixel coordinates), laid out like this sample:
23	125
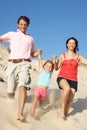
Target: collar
18	30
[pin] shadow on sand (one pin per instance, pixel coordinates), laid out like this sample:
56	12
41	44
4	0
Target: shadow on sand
78	106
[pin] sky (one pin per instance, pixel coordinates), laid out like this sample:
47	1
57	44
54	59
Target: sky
52	22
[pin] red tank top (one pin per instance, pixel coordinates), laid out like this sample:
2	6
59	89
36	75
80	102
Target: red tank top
69	68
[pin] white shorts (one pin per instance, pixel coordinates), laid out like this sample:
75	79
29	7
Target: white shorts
17	75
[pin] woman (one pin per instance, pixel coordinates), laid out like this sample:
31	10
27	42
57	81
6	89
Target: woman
67	76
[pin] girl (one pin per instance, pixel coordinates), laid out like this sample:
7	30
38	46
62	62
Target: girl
43	83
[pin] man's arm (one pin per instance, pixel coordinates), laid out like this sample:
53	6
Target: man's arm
35	54
1	40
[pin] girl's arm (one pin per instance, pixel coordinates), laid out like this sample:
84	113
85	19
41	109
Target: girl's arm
40	61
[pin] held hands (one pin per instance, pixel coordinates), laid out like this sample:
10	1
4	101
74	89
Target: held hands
55	62
36	53
54	58
39	52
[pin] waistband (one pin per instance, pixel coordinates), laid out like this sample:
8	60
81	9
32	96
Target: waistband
42	87
19	60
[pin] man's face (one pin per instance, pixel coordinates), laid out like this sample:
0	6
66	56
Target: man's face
22	25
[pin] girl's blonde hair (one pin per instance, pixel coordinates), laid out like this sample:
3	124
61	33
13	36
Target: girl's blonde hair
49	61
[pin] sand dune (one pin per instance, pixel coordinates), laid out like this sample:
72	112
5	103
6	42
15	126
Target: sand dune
48	117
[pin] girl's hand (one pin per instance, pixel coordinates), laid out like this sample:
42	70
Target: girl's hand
54	57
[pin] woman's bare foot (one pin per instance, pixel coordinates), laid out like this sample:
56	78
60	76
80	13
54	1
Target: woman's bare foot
32	114
62	114
20	118
64	118
67	109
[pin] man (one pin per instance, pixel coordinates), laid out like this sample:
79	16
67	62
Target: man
22	47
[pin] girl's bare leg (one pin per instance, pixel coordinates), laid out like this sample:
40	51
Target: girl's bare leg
35	101
41	103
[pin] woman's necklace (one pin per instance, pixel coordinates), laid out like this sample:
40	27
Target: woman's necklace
70	55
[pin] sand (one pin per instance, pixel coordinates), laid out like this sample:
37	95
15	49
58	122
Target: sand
49	117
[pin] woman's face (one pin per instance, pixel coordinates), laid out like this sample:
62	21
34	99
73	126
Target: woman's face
71	44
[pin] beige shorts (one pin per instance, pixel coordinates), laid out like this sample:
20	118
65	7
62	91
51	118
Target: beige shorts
17	75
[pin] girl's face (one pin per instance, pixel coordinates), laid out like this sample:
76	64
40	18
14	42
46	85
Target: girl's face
22	25
71	45
48	67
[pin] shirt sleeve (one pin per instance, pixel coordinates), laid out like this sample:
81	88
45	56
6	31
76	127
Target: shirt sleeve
6	37
33	47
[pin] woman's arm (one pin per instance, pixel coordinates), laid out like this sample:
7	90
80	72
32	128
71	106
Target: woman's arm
82	59
57	63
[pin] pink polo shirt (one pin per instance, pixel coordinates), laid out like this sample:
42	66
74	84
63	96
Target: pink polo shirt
21	45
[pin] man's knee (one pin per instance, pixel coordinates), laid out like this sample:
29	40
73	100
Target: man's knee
22	88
